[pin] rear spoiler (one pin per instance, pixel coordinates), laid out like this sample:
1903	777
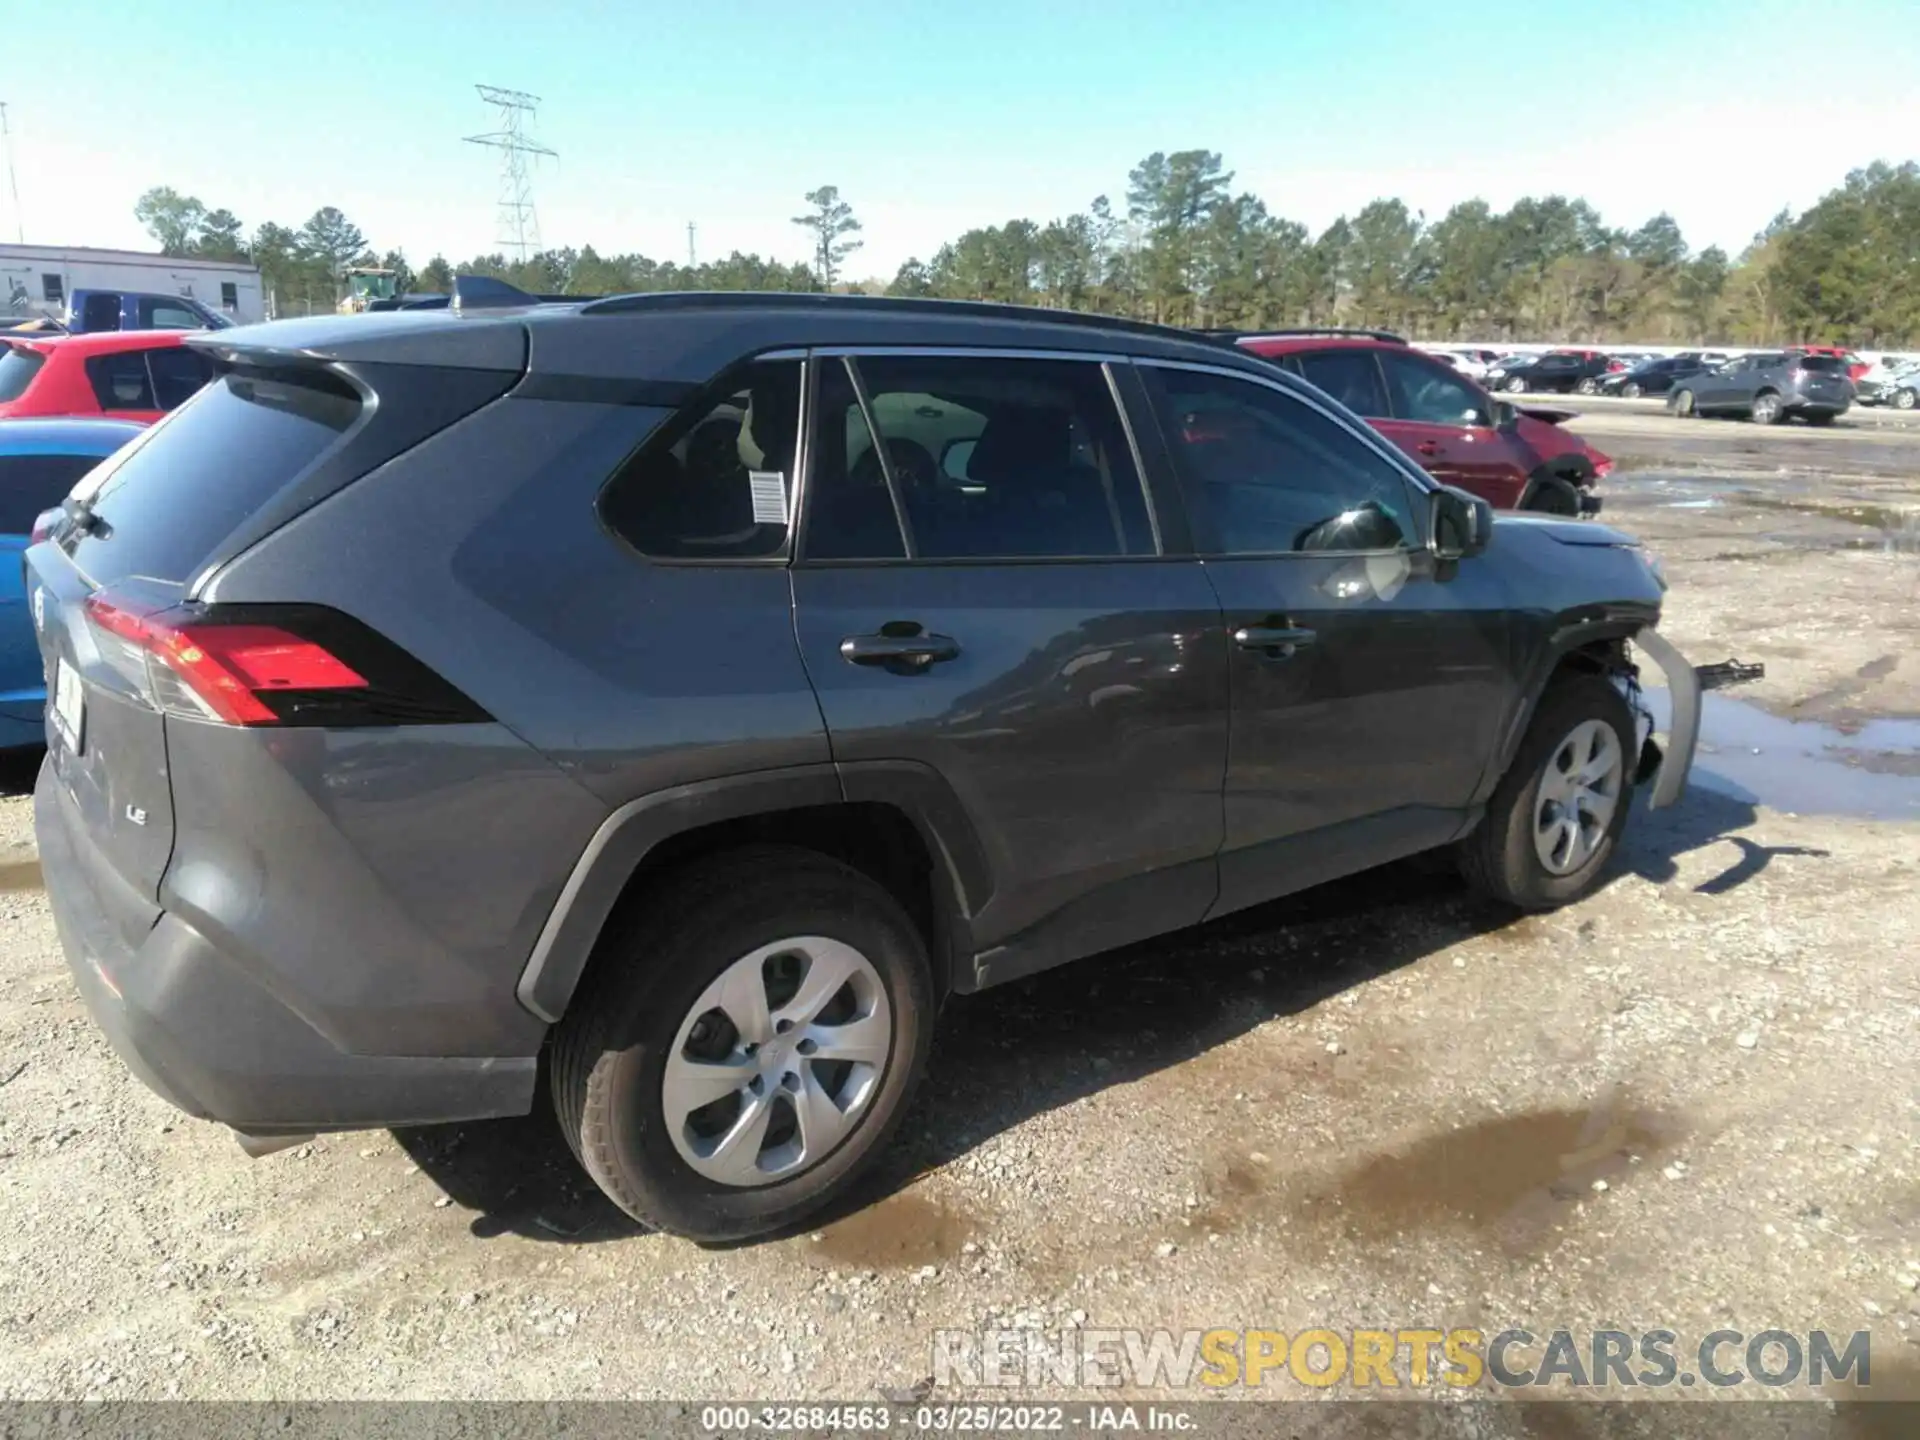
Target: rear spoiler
483	292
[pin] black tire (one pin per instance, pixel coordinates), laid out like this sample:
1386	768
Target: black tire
1498	858
1630	390
1589	386
610	1051
1551	495
1680	404
1515	385
1905	399
1767	414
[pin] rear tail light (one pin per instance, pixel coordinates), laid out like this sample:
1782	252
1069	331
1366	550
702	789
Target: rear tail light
259	665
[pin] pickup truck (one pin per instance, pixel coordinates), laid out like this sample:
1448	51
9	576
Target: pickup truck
93	311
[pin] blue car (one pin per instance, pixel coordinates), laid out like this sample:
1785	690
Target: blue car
39	462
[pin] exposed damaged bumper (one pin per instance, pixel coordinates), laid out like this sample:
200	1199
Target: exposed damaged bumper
1685	685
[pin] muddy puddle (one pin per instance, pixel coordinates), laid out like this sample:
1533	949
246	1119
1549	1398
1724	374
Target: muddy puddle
1506	1176
17	875
1857	524
906	1229
1870	771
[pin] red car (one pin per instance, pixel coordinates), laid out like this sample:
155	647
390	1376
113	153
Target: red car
127	375
1514	458
1856	367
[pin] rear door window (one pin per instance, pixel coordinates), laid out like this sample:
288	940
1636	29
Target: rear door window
120	381
30	484
18	366
1349	376
985	457
174	494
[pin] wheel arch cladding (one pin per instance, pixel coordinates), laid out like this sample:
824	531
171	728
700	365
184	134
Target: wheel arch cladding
896	822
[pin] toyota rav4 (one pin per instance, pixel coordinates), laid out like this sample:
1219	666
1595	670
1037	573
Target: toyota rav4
694	691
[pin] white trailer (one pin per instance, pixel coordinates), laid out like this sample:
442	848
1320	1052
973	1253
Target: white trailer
42	279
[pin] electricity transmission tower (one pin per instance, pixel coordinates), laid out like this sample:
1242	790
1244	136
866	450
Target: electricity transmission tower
13	181
519	225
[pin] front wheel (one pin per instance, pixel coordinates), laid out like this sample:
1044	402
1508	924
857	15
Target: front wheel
746	1044
1588	387
1904	399
1516	385
1557	814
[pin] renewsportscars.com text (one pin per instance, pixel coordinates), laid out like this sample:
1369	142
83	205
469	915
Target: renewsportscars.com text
1414	1358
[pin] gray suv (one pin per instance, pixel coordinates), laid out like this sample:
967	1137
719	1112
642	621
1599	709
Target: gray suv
694	691
1767	387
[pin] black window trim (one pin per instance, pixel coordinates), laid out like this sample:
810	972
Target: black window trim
1422	484
852	354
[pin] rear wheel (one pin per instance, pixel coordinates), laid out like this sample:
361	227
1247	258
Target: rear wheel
1589	386
1516	384
1904	399
1630	391
1767	409
745	1044
1680	403
1558	812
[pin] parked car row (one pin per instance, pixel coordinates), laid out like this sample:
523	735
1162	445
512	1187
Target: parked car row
560	713
1628	372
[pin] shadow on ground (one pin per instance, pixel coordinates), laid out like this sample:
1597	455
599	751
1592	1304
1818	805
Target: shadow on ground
1031	1046
18	768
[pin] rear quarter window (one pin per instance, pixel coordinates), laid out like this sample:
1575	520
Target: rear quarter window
18	366
171	497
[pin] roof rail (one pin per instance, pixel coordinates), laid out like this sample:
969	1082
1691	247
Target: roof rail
483	292
1329	331
669	300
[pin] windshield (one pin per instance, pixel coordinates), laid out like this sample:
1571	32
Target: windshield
1825	363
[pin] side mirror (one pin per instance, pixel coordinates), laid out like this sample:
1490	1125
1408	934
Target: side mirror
1459	525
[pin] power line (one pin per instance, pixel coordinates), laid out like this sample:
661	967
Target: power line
519	225
13	180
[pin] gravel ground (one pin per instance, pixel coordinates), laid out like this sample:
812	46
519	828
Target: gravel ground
1688	1102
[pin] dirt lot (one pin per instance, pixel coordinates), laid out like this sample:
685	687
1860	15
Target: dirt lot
1689	1102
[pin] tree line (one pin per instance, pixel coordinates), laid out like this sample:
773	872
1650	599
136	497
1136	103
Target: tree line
1185	248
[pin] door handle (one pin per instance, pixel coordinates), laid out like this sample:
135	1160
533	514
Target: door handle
1428	447
1276	642
899	652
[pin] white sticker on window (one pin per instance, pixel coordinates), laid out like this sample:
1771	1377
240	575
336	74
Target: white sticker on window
769	496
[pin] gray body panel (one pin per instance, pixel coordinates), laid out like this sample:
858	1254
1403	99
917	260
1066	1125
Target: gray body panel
322	928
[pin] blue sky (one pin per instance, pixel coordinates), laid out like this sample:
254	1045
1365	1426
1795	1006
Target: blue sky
933	118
